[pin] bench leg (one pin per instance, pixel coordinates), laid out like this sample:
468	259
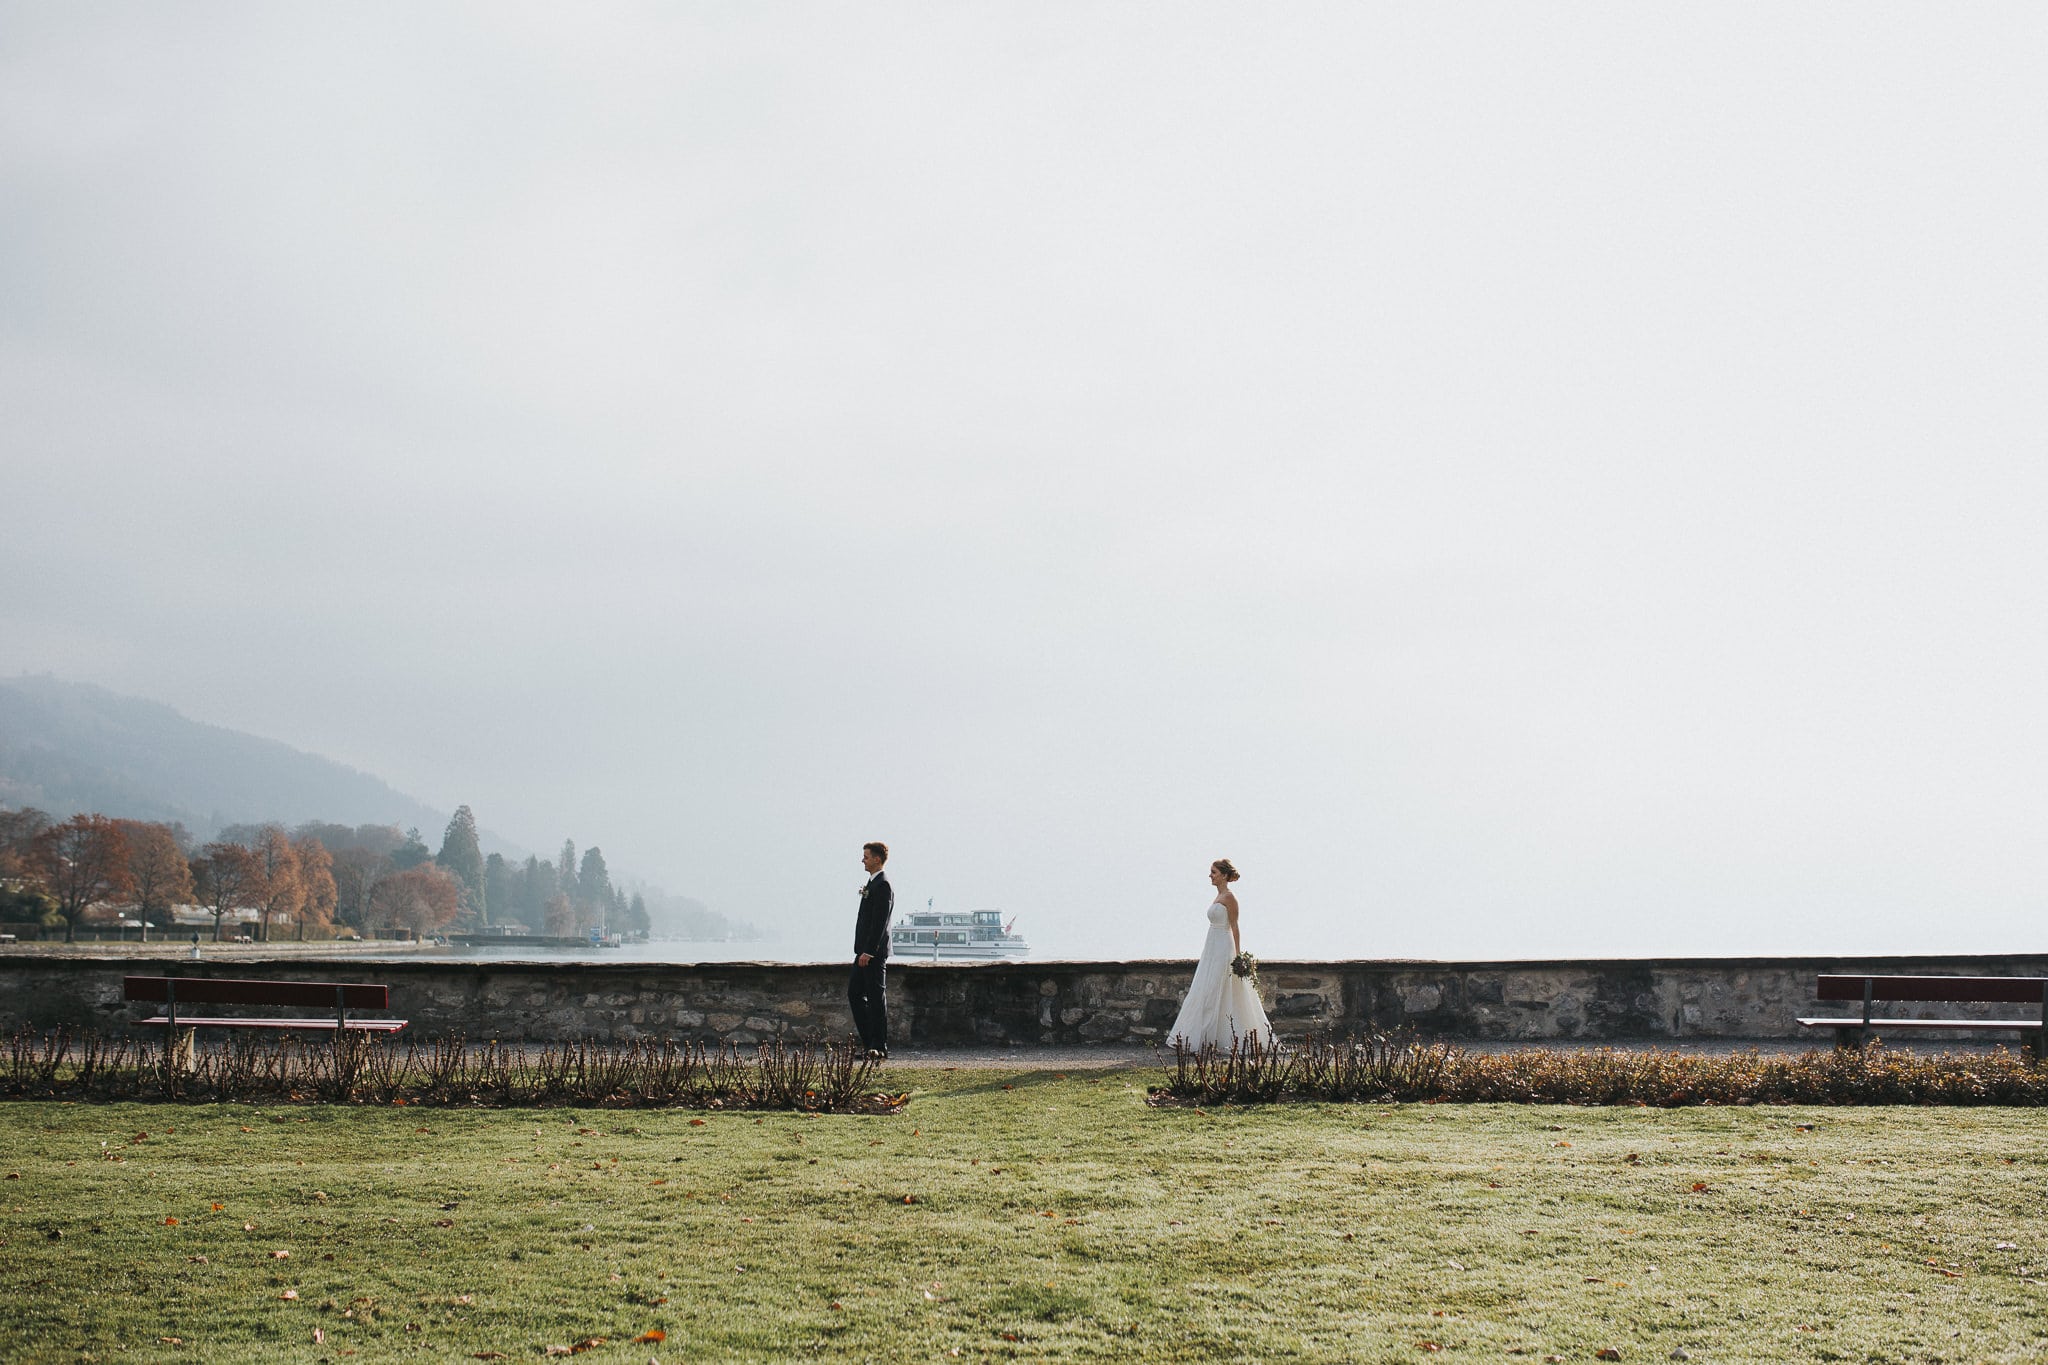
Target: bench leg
1850	1037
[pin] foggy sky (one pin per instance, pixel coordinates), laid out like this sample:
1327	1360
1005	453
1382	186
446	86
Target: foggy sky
1519	480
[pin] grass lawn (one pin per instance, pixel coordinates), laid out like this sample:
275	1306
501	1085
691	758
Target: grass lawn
1023	1216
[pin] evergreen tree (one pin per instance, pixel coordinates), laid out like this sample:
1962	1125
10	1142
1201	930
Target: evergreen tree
565	869
411	853
537	886
461	856
500	897
594	889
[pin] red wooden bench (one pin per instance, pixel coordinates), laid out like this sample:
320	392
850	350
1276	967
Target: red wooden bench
176	992
1993	990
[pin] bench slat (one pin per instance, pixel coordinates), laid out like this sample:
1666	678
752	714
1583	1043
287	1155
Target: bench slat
309	1024
1881	1025
1996	990
201	990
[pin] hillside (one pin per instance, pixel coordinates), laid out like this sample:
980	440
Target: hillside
67	747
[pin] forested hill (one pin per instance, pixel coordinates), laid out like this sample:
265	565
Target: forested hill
67	747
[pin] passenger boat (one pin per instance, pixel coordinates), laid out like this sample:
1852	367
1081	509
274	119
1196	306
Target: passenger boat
937	936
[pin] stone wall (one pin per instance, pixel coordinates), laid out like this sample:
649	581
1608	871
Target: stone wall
993	1004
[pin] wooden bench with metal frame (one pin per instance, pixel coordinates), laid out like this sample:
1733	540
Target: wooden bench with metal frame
173	992
1953	990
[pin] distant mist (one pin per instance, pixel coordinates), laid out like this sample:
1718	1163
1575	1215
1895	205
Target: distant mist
69	747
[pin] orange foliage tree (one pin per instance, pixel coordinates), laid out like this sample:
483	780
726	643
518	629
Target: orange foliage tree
283	891
157	870
229	877
316	884
82	862
423	899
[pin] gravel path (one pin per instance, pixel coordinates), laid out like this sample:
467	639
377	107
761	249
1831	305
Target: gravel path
1126	1057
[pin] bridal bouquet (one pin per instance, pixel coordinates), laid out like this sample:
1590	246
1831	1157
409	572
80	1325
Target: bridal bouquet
1245	965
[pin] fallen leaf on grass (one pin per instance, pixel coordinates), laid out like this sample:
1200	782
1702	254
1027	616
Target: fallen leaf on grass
1607	1353
289	1295
170	1222
696	1123
654	1336
1699	1187
1429	1345
172	1341
218	1207
196	1260
488	1355
444	1222
280	1255
319	1336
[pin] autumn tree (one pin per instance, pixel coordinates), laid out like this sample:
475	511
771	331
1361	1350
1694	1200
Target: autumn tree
80	863
423	899
157	869
461	855
227	877
283	892
559	916
319	895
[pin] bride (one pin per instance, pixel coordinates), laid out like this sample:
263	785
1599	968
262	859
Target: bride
1221	1006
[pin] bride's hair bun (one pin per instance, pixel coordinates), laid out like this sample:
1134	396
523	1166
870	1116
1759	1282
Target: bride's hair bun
1223	865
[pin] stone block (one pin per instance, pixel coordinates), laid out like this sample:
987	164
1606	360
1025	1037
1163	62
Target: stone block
1421	999
760	1025
794	1009
725	1023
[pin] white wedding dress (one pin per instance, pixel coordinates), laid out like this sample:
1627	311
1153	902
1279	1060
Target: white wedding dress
1221	1005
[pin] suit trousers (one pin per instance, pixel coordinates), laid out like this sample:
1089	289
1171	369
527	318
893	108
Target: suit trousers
867	993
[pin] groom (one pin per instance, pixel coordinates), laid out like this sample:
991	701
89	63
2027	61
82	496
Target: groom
865	989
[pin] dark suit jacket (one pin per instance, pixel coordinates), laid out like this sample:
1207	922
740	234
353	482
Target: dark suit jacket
871	930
